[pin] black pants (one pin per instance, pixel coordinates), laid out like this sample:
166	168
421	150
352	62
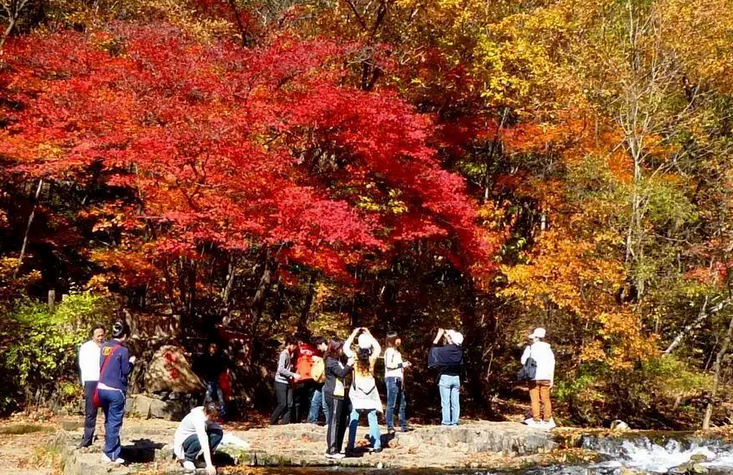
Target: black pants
284	403
302	397
90	414
192	445
338	412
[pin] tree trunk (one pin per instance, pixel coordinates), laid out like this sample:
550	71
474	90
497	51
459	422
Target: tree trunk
303	321
716	379
258	301
28	227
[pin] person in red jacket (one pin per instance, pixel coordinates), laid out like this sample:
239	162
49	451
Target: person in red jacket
305	386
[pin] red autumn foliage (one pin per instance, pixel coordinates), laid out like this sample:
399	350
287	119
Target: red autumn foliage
235	147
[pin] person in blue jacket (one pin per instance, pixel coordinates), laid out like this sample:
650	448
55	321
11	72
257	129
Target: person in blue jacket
116	366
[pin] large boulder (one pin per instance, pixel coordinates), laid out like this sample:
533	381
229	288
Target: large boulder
170	371
153	408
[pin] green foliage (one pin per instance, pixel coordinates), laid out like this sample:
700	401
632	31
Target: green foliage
647	388
40	346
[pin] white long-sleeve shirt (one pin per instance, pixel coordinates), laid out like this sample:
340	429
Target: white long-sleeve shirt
195	423
545	358
89	356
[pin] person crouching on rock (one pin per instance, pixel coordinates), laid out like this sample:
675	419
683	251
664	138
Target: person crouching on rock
116	367
199	433
283	376
449	361
335	392
542	380
363	392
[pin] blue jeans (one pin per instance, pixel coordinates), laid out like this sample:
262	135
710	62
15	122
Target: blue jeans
214	393
395	393
375	436
113	405
449	399
317	402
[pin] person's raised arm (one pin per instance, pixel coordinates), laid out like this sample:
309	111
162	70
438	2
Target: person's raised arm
350	341
440	334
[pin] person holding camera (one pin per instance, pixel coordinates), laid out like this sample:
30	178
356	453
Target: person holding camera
449	361
363	394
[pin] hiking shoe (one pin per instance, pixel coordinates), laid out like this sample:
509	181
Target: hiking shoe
188	465
336	455
375	450
117	461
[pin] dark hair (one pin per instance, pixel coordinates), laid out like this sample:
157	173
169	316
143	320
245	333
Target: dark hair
291	340
392	337
319	340
334	346
120	330
212	409
98	326
363	359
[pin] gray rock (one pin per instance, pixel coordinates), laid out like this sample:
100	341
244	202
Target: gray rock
619	425
71	425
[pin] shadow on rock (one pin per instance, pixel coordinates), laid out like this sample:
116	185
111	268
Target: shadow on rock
141	451
222	459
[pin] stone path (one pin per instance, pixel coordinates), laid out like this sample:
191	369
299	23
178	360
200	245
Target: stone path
476	444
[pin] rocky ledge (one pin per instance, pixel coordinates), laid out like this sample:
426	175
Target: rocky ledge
146	445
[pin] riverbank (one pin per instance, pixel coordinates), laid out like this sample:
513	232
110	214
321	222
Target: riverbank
475	444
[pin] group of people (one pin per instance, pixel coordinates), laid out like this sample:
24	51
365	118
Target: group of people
349	387
105	367
335	377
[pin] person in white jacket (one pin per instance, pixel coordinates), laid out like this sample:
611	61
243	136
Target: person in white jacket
544	379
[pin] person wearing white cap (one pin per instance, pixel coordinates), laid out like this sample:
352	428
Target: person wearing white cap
542	381
449	361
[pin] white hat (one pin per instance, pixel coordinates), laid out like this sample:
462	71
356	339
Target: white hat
455	337
538	332
364	341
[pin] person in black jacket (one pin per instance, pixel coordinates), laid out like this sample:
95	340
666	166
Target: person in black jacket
335	390
449	360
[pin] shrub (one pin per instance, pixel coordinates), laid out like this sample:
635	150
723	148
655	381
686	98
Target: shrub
38	349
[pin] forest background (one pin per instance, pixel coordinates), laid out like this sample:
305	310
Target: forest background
248	169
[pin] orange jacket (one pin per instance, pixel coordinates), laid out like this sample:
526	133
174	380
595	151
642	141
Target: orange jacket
305	361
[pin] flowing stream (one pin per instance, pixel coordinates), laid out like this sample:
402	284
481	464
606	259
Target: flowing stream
654	453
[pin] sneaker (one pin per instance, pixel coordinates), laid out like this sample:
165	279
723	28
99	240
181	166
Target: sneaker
117	461
336	455
188	465
535	424
549	424
406	429
375	450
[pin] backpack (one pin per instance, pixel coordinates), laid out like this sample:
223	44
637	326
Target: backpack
529	370
318	370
